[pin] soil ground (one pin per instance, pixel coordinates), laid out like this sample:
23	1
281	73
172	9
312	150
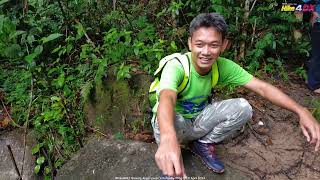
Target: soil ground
273	146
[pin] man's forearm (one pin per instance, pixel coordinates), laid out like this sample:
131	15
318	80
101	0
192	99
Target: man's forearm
279	98
274	95
165	116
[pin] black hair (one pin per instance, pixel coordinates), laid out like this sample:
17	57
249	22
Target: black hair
207	20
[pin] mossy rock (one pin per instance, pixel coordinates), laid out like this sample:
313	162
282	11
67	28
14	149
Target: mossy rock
116	105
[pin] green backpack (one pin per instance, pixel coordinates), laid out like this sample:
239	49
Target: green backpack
185	62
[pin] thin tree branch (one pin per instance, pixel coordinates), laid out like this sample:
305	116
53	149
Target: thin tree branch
114	4
253	32
244	29
25	7
26	125
254	3
90	41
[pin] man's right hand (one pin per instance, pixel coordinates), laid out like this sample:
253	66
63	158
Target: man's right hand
168	157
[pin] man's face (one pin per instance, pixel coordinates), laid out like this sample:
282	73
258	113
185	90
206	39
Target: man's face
205	45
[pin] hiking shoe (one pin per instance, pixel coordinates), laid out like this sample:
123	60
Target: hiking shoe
207	153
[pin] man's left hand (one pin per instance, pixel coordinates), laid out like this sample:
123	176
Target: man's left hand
310	128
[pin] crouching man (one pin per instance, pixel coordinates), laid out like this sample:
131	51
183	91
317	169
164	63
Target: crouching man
182	112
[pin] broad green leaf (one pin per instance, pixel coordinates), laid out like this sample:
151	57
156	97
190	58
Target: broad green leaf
278	62
51	37
56	49
58	163
136	51
3	1
40	160
270	59
35	149
60	80
69	48
274	45
30	58
55	98
80	30
30	39
38	49
17	33
66	91
40	3
13	51
8	27
173	45
37	169
47	170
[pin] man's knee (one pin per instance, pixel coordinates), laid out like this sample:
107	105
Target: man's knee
245	109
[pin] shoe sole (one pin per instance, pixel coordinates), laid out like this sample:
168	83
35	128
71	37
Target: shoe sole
198	156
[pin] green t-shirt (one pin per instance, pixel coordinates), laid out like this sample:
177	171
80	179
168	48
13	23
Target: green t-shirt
194	97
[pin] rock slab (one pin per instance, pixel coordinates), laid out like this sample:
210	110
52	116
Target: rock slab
108	159
15	139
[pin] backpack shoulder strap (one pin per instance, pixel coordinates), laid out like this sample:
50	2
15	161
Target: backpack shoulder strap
215	73
183	60
164	61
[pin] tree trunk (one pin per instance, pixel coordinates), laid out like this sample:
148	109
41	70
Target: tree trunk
244	29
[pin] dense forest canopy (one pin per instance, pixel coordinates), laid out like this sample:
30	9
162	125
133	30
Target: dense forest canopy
53	53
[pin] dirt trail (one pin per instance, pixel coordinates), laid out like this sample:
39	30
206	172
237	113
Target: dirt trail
275	149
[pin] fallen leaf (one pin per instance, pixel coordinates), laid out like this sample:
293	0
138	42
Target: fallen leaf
4	123
269	142
262	130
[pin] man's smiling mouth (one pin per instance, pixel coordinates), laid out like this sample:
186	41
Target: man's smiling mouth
205	60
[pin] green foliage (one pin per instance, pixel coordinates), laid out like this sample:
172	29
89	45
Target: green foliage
118	136
268	39
9	47
136	125
224	92
316	109
17	84
123	72
51	56
300	71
